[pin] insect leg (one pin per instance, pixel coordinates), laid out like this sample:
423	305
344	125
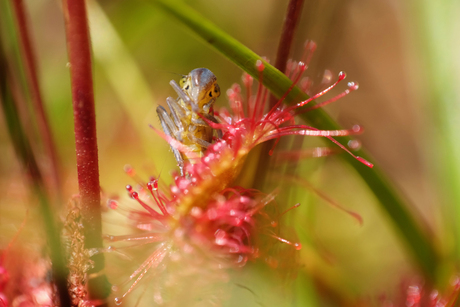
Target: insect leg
183	95
176	113
168	125
199	141
164	117
214	120
201	122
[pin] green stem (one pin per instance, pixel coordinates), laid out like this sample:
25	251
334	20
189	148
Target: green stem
26	157
437	42
391	202
30	67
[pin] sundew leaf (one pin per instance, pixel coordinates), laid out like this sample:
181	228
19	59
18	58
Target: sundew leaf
391	202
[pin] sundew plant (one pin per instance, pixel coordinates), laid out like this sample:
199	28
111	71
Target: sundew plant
269	179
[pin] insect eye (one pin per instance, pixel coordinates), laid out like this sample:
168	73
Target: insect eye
210	94
217	90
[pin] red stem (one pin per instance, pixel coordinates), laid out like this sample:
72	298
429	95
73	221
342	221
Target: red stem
30	66
287	35
78	45
290	22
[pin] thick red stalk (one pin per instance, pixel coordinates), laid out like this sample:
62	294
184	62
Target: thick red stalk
78	46
30	67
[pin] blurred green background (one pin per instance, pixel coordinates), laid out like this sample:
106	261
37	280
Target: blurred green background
404	55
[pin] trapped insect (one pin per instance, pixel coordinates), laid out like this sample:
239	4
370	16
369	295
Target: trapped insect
197	93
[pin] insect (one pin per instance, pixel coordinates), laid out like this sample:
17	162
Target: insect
197	93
